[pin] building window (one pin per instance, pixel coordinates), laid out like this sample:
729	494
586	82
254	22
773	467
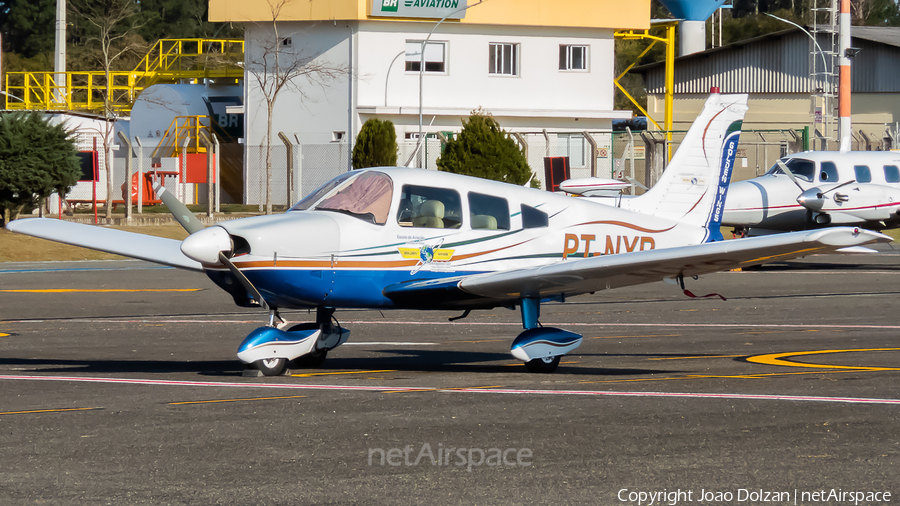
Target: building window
503	59
286	42
573	57
337	136
435	56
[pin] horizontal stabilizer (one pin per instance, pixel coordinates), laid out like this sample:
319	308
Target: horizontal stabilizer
141	246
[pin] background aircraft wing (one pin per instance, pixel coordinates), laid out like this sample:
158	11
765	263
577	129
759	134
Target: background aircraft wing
574	277
145	247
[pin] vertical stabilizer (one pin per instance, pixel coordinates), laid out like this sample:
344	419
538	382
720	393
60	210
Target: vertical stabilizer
693	186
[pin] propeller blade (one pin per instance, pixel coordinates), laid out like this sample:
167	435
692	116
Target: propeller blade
839	186
784	168
180	211
243	280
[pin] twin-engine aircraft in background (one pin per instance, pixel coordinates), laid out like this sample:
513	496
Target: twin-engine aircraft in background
414	239
816	189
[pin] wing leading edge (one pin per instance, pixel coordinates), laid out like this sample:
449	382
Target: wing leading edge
144	247
575	277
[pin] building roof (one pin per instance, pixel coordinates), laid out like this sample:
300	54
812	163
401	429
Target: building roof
606	14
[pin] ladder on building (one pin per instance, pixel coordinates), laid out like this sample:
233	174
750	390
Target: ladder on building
824	71
167	61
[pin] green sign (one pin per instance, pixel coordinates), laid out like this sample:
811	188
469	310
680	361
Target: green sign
432	9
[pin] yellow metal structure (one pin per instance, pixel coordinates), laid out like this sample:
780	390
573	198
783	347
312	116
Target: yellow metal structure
168	61
182	136
669	41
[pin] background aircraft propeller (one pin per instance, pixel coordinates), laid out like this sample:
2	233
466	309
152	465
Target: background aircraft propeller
812	199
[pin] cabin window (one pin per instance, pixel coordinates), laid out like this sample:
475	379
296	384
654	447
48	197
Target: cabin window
891	174
487	212
802	169
427	207
829	173
367	197
315	196
863	174
533	218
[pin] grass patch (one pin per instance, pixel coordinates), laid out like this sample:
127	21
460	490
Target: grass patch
22	248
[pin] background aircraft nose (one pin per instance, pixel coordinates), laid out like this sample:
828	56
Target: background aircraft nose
204	246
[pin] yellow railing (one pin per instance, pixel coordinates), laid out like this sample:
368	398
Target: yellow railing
182	136
168	61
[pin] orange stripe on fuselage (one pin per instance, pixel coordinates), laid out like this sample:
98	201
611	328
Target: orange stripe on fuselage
626	225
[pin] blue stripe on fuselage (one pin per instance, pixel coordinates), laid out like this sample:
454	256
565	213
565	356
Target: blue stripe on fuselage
302	288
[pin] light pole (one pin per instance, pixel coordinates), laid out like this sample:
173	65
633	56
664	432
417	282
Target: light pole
422	67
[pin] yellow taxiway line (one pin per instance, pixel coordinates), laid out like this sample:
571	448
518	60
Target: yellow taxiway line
102	290
46	411
310	374
778	359
236	400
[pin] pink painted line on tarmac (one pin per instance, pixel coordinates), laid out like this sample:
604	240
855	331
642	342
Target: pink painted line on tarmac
506	391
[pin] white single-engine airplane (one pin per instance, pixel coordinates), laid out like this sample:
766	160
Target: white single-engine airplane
816	189
415	239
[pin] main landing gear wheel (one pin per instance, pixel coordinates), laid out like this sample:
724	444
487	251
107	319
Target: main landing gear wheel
543	365
271	366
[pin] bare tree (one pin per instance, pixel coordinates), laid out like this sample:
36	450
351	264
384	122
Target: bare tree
112	26
277	66
860	11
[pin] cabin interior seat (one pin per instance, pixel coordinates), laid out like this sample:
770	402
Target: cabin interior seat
431	215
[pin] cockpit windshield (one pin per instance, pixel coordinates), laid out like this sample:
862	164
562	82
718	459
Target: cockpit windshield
317	195
366	196
800	168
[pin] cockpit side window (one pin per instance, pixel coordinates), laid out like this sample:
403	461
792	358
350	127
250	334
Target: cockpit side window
802	169
891	174
428	207
367	197
828	173
315	196
488	212
863	174
534	218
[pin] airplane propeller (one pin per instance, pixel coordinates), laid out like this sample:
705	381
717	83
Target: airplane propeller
210	245
813	199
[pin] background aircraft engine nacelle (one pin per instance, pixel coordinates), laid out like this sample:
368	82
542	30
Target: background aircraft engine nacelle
205	245
544	342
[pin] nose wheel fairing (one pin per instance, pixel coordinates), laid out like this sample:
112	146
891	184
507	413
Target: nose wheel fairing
266	343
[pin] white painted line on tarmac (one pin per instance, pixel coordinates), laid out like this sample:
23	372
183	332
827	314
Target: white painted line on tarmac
504	391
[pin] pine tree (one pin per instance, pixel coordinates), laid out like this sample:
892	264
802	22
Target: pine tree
376	145
36	159
484	150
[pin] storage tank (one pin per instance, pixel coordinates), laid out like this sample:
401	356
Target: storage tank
694	14
158	105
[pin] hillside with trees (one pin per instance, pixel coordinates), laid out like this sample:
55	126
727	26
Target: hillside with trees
28	29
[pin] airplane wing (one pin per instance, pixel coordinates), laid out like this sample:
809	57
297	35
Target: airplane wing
145	247
574	277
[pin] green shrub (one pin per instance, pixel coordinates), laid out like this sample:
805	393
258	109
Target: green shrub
483	150
376	145
36	160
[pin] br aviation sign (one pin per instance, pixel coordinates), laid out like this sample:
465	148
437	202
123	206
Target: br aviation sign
435	9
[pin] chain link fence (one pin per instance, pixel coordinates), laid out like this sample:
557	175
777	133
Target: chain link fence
299	170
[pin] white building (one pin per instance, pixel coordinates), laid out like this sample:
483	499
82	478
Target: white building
533	65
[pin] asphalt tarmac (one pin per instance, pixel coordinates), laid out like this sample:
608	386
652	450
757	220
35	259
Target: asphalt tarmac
119	385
